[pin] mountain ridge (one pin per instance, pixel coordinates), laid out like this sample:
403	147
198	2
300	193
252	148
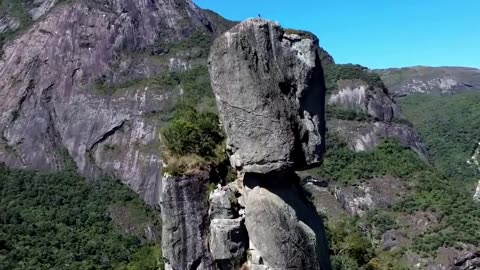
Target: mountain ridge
430	80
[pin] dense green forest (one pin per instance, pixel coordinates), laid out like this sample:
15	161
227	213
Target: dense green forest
61	221
449	125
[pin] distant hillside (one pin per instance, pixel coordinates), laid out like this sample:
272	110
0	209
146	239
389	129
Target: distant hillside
449	125
435	80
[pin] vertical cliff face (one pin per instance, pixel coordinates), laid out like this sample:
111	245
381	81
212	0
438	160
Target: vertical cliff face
78	85
270	91
185	222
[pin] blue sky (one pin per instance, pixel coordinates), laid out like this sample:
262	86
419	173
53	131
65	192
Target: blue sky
376	33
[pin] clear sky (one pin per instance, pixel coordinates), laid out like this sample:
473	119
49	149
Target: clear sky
376	33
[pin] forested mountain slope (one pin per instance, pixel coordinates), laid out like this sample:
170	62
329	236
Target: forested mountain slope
449	125
60	220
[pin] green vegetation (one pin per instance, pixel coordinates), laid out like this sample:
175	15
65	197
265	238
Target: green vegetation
350	248
449	125
164	82
193	140
194	82
345	166
301	33
147	258
459	216
381	221
388	261
197	90
60	221
335	72
193	132
16	9
433	191
196	46
201	41
345	114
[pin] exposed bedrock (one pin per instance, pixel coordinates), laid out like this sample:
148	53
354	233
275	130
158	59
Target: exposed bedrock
364	116
185	222
54	75
360	97
270	93
283	226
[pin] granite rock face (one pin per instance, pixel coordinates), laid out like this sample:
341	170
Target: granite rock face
283	227
364	115
185	222
358	96
367	135
228	238
470	261
55	78
270	94
380	192
362	111
228	241
223	204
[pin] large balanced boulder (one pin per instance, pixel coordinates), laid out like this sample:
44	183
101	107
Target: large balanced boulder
270	93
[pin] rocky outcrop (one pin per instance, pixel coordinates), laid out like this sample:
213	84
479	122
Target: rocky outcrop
364	115
74	86
367	135
358	96
334	201
228	242
323	198
12	11
474	161
470	261
228	239
185	222
476	195
430	80
295	238
269	89
224	203
270	95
